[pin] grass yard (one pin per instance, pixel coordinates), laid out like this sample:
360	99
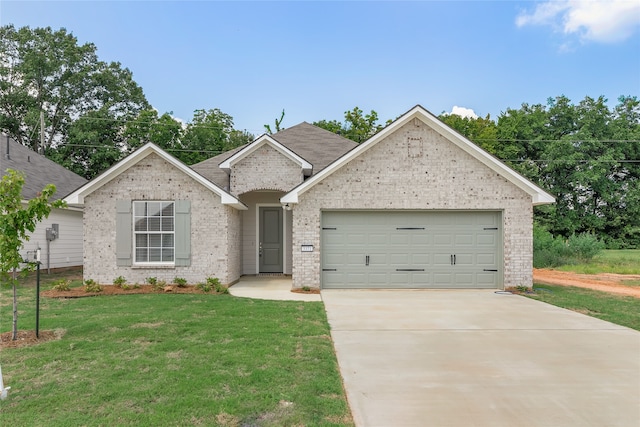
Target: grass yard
620	310
623	261
172	360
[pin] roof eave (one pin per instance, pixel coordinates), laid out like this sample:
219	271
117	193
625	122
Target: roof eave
77	197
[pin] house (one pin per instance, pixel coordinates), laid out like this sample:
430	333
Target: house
59	236
416	206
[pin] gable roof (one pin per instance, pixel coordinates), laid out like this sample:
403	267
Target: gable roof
37	169
260	142
538	195
315	145
318	146
77	197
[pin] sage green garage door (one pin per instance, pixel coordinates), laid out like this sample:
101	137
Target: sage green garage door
409	249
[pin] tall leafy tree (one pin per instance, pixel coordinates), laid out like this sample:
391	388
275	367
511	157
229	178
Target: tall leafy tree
16	221
48	72
164	131
357	125
209	133
481	130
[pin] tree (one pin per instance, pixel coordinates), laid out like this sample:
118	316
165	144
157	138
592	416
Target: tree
16	221
586	155
47	72
277	123
210	132
482	131
357	126
164	131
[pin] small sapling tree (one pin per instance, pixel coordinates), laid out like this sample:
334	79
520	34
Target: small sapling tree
16	221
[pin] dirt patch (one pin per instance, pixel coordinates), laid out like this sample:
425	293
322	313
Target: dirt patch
26	338
114	290
606	282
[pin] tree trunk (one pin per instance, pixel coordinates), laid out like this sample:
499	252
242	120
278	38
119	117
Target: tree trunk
14	336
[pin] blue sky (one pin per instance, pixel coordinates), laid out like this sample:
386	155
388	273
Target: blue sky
316	60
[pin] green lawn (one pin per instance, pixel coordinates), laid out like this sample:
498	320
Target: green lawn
172	360
624	261
621	310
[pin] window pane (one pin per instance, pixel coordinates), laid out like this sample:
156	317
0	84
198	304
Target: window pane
154	224
141	224
167	255
154	255
167	224
154	208
141	255
141	241
167	209
140	208
155	240
167	240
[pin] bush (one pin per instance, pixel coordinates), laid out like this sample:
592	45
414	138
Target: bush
91	286
180	281
62	285
204	287
550	251
151	280
119	281
214	283
159	285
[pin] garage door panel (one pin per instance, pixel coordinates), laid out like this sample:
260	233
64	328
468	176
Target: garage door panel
443	240
420	259
486	240
485	259
411	249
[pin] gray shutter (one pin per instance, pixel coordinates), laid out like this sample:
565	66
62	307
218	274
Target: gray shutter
123	233
183	233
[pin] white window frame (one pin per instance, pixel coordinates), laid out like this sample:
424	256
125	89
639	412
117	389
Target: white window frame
160	232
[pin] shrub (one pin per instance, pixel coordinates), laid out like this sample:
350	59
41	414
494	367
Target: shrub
180	281
550	251
151	280
159	285
119	281
91	286
62	285
125	287
204	287
214	283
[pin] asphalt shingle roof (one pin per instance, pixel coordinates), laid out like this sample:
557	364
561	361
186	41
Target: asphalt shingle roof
38	170
316	145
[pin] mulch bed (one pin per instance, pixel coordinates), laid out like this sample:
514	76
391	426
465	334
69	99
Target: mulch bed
26	338
114	290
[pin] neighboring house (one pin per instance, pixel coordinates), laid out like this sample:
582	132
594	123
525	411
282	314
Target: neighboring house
65	250
416	206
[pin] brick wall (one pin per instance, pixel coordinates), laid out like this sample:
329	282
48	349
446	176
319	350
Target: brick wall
415	168
265	169
215	228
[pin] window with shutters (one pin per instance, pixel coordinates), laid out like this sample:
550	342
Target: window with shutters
154	232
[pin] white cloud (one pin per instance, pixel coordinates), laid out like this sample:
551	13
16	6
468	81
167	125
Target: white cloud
606	21
463	112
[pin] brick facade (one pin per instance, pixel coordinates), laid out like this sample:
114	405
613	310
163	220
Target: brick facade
265	169
215	228
415	168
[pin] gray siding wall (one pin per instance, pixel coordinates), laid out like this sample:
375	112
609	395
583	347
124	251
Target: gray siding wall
415	168
215	228
66	250
265	169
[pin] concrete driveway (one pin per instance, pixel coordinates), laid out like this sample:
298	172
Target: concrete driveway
478	358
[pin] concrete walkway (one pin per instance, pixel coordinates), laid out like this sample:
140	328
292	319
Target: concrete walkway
269	287
477	358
